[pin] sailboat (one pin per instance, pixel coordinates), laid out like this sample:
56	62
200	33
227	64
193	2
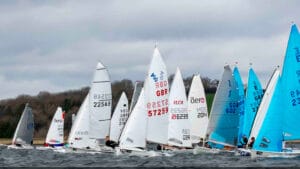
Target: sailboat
23	136
252	102
79	135
92	123
197	110
224	117
100	98
267	100
156	97
55	135
133	137
179	122
280	120
119	118
253	99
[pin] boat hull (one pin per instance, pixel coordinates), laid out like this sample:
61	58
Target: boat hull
288	154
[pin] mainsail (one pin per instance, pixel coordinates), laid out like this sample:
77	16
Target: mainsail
290	80
100	98
253	98
134	133
119	118
197	110
224	118
157	93
55	135
24	131
240	103
179	122
267	127
281	119
79	135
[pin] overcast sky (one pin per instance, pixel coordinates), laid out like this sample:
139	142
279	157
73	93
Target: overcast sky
55	45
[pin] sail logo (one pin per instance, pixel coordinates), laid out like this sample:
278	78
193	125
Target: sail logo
30	126
297	54
82	133
201	115
154	77
178	102
197	100
58	121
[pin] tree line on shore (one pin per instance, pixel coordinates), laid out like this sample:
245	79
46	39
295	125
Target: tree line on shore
44	105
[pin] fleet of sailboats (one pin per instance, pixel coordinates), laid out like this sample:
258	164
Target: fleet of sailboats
258	123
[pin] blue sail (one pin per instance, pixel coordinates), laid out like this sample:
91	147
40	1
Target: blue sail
240	103
291	87
270	136
253	98
224	119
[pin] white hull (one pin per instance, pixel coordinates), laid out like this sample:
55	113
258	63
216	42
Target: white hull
242	152
137	152
201	150
20	147
100	149
50	148
291	154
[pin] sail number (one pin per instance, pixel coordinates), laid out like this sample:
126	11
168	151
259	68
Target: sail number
186	134
295	96
157	112
101	103
123	117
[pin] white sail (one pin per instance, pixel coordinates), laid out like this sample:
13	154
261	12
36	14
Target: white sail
24	132
156	93
119	118
55	135
197	108
79	135
136	93
100	98
179	122
264	105
134	132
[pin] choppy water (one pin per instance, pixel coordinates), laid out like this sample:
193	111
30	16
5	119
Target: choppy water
40	158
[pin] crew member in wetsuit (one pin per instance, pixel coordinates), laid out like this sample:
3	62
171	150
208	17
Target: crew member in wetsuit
244	142
250	145
110	143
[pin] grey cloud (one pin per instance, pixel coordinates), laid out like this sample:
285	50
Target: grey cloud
56	44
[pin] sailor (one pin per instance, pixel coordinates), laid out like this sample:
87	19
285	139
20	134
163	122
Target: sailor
244	141
110	143
250	145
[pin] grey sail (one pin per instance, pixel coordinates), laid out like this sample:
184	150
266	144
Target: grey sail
24	132
136	93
